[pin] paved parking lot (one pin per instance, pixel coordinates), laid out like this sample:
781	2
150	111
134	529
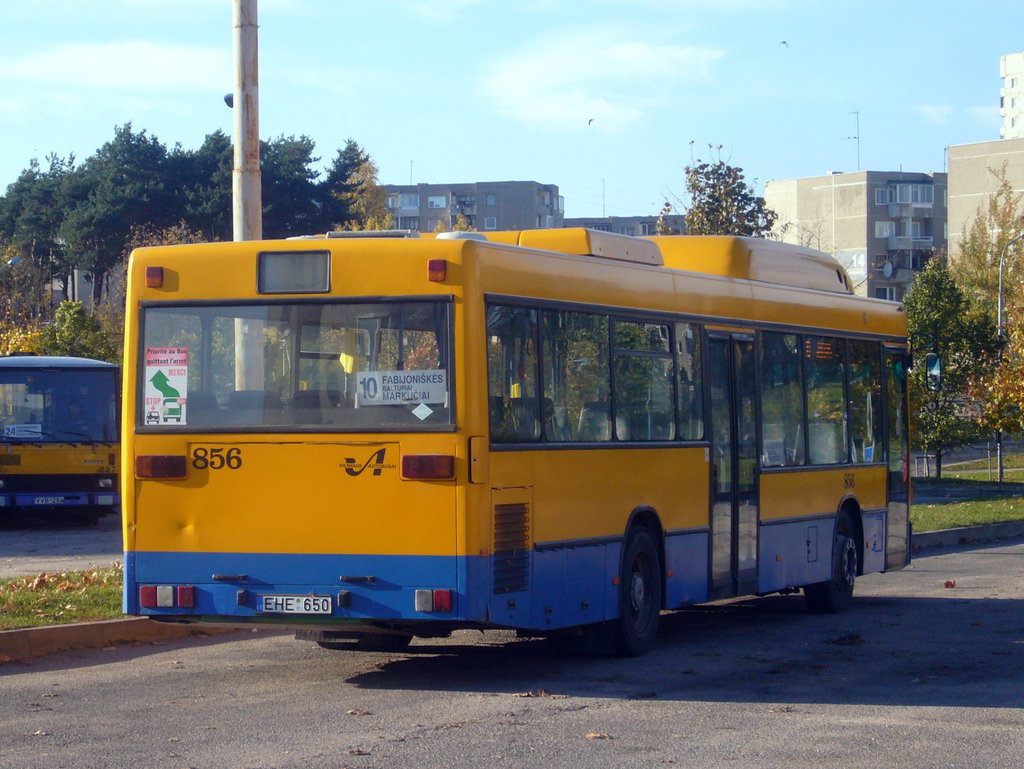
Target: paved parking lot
28	547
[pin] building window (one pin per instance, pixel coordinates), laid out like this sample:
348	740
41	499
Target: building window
408	200
922	193
882	196
490	222
437	201
885	292
393	202
408	222
491	199
885	229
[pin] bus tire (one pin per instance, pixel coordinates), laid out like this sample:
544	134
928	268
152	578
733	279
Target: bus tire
836	594
639	594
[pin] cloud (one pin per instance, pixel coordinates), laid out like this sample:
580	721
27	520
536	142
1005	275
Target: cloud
936	114
564	82
133	65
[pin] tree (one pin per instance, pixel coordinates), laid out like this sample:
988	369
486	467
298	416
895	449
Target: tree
31	214
986	243
668	222
75	331
722	203
337	186
202	180
290	205
1000	391
121	186
368	201
977	265
941	318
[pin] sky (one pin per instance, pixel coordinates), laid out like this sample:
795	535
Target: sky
608	99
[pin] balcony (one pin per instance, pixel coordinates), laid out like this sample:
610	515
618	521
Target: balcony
911	210
907	243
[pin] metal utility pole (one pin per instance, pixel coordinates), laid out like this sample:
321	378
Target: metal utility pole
246	186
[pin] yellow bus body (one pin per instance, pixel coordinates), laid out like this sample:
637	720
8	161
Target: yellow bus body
339	499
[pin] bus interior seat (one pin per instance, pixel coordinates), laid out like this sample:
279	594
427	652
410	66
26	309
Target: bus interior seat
654	426
253	407
309	406
525	424
556	421
202	407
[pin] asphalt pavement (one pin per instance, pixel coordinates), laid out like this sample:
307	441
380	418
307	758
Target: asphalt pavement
51	547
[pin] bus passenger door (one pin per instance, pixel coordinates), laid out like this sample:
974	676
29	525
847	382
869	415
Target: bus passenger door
734	476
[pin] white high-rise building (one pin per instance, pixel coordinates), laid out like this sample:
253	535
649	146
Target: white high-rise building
1011	96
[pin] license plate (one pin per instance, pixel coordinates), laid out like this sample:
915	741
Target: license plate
49	500
294	604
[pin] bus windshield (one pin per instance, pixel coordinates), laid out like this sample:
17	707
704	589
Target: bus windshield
319	366
39	405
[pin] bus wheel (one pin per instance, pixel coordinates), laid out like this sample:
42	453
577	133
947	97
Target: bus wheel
639	595
836	594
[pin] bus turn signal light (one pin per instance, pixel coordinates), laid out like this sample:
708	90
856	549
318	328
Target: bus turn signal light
161	466
437	467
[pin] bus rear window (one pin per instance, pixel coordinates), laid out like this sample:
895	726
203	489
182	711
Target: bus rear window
297	366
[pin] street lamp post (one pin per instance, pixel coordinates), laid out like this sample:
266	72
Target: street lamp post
999	333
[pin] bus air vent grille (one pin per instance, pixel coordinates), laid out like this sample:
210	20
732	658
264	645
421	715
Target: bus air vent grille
511	548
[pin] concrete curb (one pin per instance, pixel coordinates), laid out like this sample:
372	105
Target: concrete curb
966	535
36	641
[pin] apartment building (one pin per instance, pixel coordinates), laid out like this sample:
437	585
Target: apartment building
883	226
1011	96
626	225
974	176
483	205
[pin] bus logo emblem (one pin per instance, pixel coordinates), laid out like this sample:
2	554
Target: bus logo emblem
374	462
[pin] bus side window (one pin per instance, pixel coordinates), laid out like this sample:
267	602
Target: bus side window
595	423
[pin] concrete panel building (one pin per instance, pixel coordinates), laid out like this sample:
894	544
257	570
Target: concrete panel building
883	226
484	205
973	178
626	225
1011	96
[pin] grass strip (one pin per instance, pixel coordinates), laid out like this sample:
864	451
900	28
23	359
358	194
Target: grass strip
60	598
973	512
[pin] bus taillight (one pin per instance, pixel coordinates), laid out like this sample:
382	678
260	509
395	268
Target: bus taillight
437	467
154	277
161	466
437	270
167	596
433	600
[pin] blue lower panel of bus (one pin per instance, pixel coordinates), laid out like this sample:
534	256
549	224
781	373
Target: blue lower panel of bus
793	553
232	585
558	586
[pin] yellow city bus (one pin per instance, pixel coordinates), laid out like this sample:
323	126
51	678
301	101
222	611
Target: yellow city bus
371	437
59	448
